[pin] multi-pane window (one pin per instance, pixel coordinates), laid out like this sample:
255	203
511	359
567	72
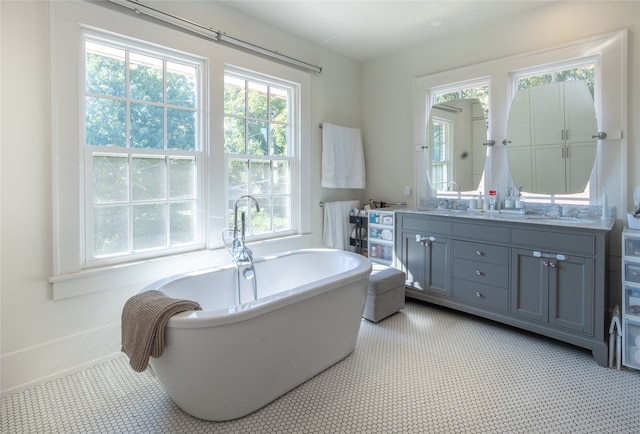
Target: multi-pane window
586	72
441	136
259	150
441	152
142	150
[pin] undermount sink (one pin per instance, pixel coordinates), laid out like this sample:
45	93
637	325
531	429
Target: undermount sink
446	211
563	218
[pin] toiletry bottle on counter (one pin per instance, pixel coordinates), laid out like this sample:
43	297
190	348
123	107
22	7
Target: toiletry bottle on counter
509	201
493	198
479	201
519	200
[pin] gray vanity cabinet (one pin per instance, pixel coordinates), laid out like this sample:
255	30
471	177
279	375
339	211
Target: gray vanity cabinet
553	288
542	278
425	251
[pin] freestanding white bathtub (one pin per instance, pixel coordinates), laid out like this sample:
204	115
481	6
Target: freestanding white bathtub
230	359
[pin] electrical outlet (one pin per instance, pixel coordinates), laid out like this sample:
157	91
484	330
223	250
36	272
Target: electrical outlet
407	191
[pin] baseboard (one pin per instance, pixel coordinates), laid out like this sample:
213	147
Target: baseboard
29	367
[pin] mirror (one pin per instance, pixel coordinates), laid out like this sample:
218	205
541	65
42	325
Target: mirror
457	133
551	147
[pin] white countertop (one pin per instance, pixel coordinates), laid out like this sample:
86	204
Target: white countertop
517	217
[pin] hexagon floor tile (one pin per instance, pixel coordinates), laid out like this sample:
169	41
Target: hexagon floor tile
423	370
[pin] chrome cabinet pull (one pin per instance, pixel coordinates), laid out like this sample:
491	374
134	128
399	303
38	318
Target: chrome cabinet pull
478	295
545	263
478	252
479	273
552	264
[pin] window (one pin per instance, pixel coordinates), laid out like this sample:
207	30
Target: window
440	160
141	187
442	137
584	70
608	54
143	150
259	149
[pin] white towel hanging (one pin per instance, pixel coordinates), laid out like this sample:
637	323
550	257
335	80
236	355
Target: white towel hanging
342	157
337	228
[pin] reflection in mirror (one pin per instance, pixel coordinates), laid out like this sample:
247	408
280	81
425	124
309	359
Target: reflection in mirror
551	148
457	133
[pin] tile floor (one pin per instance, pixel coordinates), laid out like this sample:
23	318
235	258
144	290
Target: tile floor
423	370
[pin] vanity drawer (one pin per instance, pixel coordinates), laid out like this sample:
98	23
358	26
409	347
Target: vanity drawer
481	272
426	226
481	252
553	242
475	231
481	295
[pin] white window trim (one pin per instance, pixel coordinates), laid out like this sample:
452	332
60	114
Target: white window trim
295	156
514	76
69	279
200	153
610	102
430	99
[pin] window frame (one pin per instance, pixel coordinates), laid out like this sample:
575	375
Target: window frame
69	276
292	157
431	98
444	165
610	103
589	195
89	259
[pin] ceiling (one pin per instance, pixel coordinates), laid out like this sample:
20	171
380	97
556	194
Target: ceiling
364	30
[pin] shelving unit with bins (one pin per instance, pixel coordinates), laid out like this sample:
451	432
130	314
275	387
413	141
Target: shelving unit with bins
359	241
631	298
380	236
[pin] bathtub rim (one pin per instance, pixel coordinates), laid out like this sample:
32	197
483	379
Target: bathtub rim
254	308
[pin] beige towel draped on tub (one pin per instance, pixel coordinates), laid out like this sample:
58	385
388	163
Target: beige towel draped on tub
144	318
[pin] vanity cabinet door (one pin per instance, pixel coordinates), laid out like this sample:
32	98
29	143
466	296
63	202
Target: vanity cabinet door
553	289
427	262
571	292
529	298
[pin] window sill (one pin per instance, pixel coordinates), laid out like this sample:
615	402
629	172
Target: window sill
135	276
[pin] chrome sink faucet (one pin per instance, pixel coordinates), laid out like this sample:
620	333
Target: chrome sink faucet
241	253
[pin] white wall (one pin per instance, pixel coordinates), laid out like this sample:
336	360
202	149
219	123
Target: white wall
40	337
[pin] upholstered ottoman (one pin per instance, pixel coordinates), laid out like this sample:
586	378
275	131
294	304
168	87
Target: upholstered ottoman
385	295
